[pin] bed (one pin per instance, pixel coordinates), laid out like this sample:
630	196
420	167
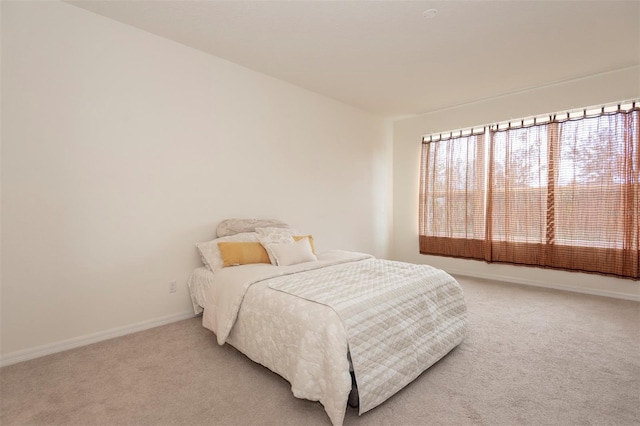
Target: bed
330	323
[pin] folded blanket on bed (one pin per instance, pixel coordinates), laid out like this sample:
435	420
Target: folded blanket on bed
399	318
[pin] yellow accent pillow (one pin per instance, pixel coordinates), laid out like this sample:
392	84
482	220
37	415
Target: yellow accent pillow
242	253
300	237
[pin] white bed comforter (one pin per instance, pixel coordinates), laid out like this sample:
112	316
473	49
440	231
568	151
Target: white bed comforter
304	342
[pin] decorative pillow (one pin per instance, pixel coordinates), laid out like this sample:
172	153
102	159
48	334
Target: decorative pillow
236	226
271	235
310	237
242	253
293	253
210	252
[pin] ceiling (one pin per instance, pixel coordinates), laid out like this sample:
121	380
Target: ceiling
390	57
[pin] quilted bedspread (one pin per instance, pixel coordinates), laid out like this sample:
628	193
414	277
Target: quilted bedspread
307	342
399	318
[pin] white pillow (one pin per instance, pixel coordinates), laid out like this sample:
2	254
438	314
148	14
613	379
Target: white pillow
270	235
293	253
210	252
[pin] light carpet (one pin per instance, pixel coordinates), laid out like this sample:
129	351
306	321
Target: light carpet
532	357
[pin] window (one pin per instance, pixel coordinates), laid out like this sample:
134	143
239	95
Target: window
559	192
452	196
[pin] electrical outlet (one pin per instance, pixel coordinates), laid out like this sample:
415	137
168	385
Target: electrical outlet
172	286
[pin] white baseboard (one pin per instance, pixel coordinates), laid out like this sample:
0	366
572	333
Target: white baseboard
39	351
51	348
535	283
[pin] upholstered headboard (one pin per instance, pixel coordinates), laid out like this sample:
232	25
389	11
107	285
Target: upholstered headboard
236	226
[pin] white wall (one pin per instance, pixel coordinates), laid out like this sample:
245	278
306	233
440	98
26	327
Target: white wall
121	149
407	136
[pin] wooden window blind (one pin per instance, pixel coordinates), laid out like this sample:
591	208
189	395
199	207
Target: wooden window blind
559	192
